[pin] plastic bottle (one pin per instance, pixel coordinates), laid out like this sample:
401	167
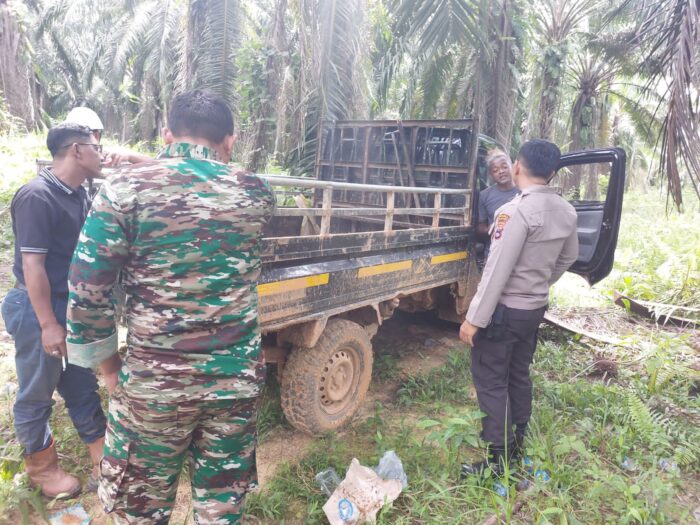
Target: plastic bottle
542	475
500	489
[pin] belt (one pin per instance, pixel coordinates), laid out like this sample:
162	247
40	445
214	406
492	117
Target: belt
58	295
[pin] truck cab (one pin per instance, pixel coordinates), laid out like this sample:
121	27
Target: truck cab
387	223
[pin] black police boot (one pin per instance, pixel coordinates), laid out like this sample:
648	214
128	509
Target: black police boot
496	461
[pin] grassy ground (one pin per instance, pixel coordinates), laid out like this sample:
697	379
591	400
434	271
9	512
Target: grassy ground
620	448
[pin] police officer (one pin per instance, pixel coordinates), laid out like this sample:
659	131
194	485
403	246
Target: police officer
533	242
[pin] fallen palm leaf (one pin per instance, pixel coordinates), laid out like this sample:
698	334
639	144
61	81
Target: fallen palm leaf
658	311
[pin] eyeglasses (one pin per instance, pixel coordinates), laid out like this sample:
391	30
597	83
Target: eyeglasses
98	147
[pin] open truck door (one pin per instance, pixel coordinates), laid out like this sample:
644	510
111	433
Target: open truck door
593	182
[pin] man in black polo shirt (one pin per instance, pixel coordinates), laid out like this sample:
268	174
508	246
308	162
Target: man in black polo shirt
47	216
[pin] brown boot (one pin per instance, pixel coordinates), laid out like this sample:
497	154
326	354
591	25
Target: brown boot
96	451
44	471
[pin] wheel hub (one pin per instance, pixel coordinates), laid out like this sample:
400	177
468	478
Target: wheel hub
337	380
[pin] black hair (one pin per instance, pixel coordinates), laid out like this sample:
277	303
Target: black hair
541	157
201	114
64	135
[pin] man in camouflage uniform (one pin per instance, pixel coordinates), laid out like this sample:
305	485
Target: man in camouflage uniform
185	232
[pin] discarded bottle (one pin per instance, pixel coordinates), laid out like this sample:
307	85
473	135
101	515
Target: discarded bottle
667	465
500	489
542	475
628	464
390	467
328	480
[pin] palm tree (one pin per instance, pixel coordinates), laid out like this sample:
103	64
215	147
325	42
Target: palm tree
556	21
330	78
163	47
445	42
275	49
668	41
16	78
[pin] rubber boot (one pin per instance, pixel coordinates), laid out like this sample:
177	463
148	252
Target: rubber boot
495	461
96	449
44	471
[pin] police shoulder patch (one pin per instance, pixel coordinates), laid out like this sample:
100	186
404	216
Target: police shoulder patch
500	224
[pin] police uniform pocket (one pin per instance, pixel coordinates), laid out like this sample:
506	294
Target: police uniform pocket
112	471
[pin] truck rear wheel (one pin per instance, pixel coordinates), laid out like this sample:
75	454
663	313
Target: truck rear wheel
323	386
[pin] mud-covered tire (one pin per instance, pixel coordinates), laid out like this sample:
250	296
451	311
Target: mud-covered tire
323	387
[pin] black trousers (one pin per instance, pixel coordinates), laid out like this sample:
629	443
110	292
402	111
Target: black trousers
501	373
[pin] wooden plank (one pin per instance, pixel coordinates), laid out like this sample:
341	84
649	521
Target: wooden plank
327	211
389	212
436	206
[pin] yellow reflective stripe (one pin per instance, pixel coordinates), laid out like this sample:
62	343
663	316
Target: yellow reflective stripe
384	268
292	284
448	257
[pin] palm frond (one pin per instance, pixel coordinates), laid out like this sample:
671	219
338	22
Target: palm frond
218	35
669	37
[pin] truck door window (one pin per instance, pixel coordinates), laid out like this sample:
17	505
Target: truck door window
585	186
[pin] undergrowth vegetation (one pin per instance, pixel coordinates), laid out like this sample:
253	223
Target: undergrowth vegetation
612	452
658	254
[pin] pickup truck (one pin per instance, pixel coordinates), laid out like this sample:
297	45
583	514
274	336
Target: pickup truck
388	222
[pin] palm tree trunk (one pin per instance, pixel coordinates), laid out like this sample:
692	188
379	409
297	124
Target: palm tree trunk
277	43
15	75
551	86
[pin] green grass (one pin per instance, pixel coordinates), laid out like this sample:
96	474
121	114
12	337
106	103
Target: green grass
582	432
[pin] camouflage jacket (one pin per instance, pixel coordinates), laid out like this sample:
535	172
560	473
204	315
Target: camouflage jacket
184	230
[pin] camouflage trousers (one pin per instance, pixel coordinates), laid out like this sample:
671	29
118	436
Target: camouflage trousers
147	442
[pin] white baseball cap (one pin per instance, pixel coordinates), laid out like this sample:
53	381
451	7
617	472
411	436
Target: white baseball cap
85	117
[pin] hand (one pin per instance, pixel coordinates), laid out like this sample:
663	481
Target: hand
53	338
111	381
112	159
110	368
467	332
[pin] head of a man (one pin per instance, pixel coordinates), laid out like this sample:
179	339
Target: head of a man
75	151
537	161
500	168
86	117
201	117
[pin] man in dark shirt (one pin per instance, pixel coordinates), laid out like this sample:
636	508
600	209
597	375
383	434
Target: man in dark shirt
500	171
47	216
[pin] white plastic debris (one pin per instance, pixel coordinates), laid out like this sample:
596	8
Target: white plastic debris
8	388
360	496
390	467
